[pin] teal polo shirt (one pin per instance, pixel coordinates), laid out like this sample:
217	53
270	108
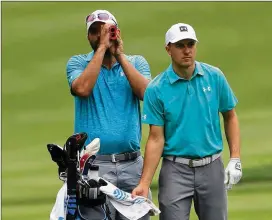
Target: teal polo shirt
189	110
112	111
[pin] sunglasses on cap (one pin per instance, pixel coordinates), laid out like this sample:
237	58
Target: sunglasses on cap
99	16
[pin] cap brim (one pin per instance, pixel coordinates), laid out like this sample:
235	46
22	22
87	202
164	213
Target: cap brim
175	40
97	20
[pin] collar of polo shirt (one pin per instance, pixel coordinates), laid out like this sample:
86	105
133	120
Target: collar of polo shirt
173	77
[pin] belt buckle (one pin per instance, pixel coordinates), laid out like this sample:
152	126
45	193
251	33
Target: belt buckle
191	164
113	159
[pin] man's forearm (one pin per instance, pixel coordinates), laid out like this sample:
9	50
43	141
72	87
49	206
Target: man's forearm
232	132
136	80
152	157
86	81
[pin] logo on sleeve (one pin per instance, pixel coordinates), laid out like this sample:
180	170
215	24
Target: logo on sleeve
144	117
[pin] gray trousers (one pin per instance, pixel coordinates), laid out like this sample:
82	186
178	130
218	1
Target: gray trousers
125	175
179	185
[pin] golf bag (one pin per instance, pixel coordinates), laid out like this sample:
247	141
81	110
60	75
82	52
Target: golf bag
84	200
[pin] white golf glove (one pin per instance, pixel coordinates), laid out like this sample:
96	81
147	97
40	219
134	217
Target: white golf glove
233	172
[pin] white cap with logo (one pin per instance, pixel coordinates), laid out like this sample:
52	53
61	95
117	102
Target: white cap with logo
101	16
179	32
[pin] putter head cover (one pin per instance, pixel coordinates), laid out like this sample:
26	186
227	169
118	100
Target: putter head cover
75	143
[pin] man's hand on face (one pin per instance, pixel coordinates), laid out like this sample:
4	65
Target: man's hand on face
117	48
105	36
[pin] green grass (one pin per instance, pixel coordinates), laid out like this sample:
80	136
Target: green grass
38	38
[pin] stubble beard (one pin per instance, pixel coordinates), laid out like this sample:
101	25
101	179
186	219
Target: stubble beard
95	47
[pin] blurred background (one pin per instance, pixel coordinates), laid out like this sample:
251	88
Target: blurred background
38	38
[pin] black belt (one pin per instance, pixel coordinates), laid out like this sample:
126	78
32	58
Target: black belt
119	157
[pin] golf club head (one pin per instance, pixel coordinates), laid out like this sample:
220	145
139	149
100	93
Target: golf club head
92	148
102	182
58	155
74	143
62	174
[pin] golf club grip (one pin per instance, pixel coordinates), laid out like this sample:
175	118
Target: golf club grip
71	177
71	190
71	180
70	217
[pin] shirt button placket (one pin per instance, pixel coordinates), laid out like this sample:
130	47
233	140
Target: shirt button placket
190	88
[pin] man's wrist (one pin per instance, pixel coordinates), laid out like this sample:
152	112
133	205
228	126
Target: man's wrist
102	48
120	57
145	183
235	154
235	158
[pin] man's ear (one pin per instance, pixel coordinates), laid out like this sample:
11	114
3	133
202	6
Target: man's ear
167	48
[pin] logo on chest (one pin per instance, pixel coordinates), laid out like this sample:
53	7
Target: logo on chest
207	89
122	73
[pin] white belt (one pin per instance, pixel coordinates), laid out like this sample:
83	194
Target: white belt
194	162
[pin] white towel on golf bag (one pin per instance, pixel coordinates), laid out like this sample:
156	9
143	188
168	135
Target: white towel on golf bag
59	210
131	208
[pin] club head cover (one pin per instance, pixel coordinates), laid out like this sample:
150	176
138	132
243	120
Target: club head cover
58	155
88	163
91	148
83	160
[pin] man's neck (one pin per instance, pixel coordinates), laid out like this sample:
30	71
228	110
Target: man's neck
109	61
184	72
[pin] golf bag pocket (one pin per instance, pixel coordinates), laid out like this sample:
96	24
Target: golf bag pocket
99	212
91	202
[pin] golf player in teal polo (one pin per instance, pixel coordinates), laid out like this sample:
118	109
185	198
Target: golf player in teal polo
182	106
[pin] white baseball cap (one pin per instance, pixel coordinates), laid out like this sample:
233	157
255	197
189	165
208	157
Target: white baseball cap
101	16
179	32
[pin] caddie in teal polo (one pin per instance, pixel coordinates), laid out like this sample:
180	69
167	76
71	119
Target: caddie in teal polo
107	86
182	106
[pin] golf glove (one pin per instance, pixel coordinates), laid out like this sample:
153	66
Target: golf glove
233	172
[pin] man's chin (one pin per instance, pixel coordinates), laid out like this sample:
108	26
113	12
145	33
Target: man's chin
185	65
107	53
